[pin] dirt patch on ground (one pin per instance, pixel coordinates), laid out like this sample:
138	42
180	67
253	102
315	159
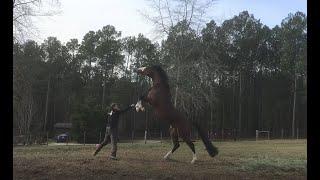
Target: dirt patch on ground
236	160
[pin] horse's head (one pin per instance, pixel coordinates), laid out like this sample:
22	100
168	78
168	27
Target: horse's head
145	71
154	72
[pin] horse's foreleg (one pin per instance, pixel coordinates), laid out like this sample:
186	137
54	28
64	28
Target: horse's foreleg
175	141
139	106
143	99
176	145
191	145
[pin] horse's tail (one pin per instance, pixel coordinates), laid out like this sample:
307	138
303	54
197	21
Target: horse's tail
212	150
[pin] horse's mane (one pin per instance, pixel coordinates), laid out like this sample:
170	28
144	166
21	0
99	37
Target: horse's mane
163	75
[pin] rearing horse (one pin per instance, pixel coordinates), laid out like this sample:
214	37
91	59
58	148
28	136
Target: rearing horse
159	97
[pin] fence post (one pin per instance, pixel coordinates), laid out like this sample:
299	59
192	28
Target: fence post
84	138
132	135
99	137
268	135
145	137
67	139
197	136
297	133
257	134
222	133
282	133
29	139
47	139
160	136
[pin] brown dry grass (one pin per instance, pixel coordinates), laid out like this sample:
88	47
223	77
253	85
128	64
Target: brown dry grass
274	159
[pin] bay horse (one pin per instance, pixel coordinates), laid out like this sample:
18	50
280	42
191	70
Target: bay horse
159	97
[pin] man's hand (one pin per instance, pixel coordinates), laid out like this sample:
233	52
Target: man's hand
132	105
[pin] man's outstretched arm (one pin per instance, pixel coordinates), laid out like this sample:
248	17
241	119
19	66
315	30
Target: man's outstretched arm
126	109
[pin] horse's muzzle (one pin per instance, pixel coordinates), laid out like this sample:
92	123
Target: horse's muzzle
138	71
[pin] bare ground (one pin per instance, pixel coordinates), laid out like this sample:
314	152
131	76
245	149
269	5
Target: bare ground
274	159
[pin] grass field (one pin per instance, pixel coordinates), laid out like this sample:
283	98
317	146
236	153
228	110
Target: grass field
273	159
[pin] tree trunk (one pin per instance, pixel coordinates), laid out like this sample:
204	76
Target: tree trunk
104	87
103	92
211	118
234	101
222	107
177	87
90	68
47	101
127	66
240	103
294	105
223	115
54	111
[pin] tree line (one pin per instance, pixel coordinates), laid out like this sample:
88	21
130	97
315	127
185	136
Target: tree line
239	75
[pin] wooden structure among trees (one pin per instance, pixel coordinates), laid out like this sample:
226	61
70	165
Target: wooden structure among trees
259	132
62	128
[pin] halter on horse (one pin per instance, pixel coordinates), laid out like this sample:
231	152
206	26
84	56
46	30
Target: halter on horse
159	97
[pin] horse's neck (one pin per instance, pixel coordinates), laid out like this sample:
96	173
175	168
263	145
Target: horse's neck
156	84
164	88
156	80
160	84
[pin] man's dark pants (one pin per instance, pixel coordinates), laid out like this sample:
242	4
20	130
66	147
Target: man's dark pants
110	136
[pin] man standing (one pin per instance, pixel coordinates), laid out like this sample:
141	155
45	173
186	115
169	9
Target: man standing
112	130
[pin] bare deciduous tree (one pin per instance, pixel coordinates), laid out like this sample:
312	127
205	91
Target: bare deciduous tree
25	111
166	14
190	14
24	12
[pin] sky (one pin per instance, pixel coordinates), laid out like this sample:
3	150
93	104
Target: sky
77	17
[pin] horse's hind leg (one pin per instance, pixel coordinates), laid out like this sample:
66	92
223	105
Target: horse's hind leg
191	146
175	141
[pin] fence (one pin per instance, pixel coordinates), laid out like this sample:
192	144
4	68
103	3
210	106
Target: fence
223	134
284	133
157	135
30	139
226	134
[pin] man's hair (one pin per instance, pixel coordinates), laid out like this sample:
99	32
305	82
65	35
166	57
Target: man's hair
113	105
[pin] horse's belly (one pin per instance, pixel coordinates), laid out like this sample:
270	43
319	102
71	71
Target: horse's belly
162	116
183	128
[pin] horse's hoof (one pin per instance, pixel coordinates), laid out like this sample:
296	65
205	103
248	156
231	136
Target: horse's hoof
193	160
167	155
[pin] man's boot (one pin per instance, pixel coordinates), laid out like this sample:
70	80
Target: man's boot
99	147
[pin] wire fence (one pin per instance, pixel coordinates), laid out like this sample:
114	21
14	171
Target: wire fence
154	136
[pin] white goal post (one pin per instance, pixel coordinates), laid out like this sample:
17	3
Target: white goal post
257	134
